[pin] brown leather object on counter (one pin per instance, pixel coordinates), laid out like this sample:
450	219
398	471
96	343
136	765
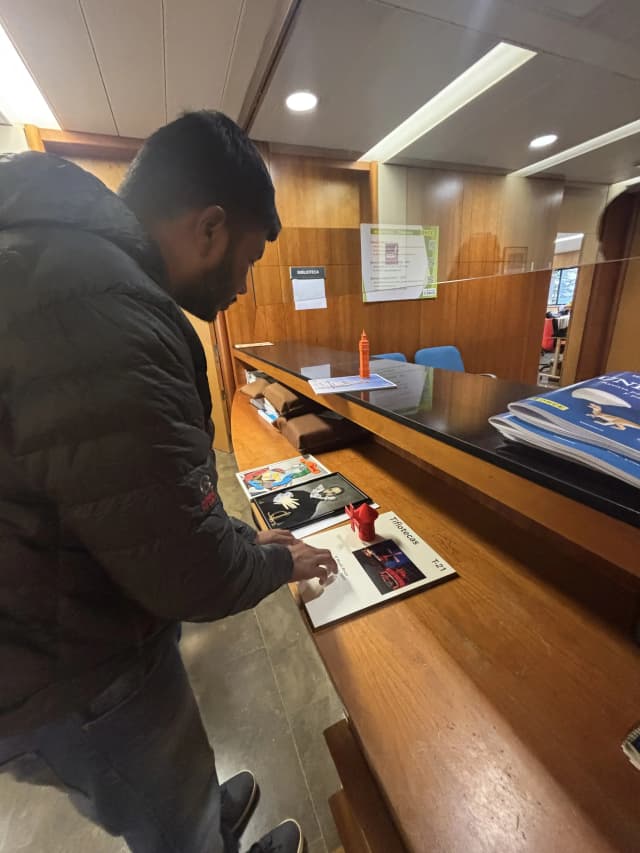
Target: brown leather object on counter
315	433
256	388
285	401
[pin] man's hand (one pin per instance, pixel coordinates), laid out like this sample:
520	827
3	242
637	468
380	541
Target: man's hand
275	537
311	562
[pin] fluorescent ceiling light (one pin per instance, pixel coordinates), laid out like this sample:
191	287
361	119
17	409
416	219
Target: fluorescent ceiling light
543	141
569	237
583	148
20	99
494	66
301	102
620	187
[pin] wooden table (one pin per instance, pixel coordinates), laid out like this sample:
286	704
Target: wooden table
490	709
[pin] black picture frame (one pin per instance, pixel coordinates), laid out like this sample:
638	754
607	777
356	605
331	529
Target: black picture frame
280	513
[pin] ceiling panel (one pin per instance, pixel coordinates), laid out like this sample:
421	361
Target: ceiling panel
618	19
569	9
614	19
199	40
373	63
53	40
536	24
546	95
607	165
370	65
128	43
126	67
256	20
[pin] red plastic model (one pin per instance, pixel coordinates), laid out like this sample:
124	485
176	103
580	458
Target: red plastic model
363	349
362	521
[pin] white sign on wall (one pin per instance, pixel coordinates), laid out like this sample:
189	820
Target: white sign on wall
399	262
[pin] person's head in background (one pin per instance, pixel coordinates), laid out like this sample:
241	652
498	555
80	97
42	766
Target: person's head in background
202	191
615	223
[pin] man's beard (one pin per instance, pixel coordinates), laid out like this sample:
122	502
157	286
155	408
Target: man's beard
212	293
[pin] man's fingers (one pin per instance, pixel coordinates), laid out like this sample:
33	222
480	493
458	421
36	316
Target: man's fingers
310	562
285	536
278	537
326	560
323	555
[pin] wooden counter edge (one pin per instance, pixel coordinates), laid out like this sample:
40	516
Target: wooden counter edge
349	830
594	531
365	807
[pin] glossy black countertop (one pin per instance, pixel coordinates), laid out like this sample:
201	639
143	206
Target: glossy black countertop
455	408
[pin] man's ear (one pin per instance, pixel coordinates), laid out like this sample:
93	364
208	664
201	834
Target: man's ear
212	233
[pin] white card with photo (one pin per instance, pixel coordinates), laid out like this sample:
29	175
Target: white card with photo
397	563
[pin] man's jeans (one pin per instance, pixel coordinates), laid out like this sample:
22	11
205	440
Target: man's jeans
138	763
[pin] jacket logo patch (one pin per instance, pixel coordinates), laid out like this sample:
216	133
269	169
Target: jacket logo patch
209	496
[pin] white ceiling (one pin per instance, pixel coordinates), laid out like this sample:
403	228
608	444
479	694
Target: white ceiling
546	95
373	63
128	66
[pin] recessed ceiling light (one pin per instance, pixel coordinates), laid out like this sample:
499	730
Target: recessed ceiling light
498	63
614	135
20	99
301	102
543	141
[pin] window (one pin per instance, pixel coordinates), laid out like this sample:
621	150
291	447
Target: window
563	286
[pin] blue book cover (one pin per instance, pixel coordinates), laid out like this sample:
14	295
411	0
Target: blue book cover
599	458
604	411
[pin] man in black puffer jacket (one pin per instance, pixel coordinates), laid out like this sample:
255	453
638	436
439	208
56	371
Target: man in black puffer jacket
111	529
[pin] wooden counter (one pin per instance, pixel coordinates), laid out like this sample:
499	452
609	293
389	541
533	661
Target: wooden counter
490	709
469	400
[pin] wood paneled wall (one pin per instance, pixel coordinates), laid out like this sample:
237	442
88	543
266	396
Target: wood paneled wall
582	205
566	259
110	172
581	208
606	290
624	352
489	224
495	321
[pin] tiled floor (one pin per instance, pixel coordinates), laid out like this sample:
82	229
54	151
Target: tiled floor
265	701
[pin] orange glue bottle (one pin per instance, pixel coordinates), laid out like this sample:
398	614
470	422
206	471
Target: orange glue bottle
363	347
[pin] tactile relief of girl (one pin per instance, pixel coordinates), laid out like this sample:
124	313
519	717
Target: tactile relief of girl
269	479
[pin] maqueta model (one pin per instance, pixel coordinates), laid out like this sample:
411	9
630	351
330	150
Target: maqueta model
363	350
362	520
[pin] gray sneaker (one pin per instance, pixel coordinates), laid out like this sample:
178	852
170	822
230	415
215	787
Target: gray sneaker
286	838
238	798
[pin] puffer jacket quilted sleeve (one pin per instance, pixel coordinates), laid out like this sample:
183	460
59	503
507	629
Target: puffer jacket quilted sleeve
110	428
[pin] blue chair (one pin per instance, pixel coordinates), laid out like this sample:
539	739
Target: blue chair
394	356
448	358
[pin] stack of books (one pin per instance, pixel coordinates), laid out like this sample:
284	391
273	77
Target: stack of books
265	410
595	423
301	495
